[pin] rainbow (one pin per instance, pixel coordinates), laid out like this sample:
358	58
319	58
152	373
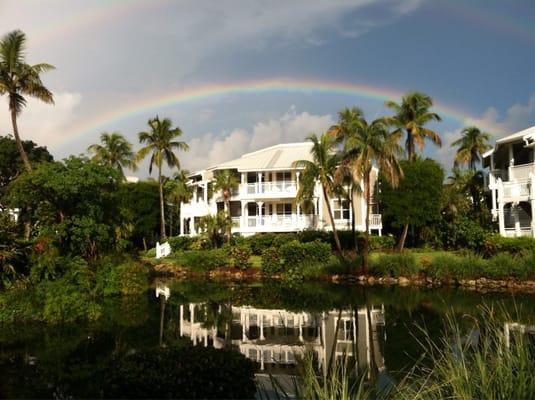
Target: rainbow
280	85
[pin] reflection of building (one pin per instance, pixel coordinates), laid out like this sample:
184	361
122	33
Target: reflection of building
275	338
522	329
265	200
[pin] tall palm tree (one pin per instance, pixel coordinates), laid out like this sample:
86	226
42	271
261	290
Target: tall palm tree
349	120
411	116
472	144
322	169
226	181
160	142
114	151
372	145
19	79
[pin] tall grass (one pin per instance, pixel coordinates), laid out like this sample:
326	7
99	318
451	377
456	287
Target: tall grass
480	365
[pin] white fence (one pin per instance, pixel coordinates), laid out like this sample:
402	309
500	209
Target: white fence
162	250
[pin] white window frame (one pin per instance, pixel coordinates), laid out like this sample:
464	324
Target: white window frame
338	207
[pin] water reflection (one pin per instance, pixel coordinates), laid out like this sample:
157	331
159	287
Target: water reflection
276	338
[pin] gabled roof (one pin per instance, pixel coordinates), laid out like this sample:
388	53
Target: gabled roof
280	156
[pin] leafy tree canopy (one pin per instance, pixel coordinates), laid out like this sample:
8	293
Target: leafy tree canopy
74	202
11	164
416	201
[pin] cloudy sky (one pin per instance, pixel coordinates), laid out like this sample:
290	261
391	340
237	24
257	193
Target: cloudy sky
122	62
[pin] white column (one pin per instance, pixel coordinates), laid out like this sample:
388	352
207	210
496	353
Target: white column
259	184
259	204
182	320
511	161
205	338
243	223
191	313
261	318
517	219
501	218
206	192
192	225
181	226
300	322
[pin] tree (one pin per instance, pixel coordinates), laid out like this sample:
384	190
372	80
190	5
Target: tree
322	169
160	142
178	191
371	145
411	116
19	79
11	164
226	181
349	119
416	199
213	226
472	144
74	204
114	151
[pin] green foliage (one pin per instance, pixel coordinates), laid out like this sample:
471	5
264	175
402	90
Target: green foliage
271	261
260	242
461	232
395	265
415	200
10	162
13	252
202	260
180	243
139	209
127	278
74	201
184	372
496	243
294	253
382	242
240	256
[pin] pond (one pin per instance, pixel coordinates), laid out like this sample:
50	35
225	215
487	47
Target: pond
271	324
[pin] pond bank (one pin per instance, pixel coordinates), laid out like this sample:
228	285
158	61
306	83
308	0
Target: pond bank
252	274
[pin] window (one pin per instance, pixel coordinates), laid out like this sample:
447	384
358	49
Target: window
341	209
284	176
284	209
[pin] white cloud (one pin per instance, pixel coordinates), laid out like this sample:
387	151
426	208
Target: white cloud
45	124
210	149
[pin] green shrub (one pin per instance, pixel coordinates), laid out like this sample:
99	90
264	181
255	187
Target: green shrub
399	264
313	235
443	266
382	242
129	277
496	243
241	255
179	243
460	233
292	253
183	372
202	260
260	242
150	253
317	251
283	238
271	261
504	265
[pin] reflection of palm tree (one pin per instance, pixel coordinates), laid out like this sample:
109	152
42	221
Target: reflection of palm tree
162	314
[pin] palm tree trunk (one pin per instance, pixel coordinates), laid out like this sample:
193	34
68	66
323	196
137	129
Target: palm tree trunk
402	238
229	219
162	211
23	154
335	234
366	249
353	229
410	145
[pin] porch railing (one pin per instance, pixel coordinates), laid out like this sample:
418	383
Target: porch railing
516	189
275	187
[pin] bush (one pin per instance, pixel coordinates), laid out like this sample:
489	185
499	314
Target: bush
202	260
283	238
395	265
241	255
462	232
294	253
260	242
179	243
184	372
127	278
382	242
496	243
271	261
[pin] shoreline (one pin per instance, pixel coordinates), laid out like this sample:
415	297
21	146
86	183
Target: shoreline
482	285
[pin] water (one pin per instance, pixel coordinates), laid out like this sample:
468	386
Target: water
271	324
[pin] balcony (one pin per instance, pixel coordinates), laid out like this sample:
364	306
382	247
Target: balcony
269	189
274	223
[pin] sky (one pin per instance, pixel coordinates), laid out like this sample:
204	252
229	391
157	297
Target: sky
237	76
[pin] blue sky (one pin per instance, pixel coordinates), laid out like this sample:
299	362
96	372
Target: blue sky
478	56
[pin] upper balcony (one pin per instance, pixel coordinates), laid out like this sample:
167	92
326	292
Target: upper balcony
275	189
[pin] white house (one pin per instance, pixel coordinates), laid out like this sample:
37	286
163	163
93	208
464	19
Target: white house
266	198
511	180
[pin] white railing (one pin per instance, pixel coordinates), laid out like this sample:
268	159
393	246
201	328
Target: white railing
274	222
521	172
162	250
502	174
375	220
511	232
276	187
516	189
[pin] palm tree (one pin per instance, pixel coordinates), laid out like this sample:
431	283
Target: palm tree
213	226
372	145
348	121
322	169
411	116
226	181
19	79
114	151
178	191
472	144
160	142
